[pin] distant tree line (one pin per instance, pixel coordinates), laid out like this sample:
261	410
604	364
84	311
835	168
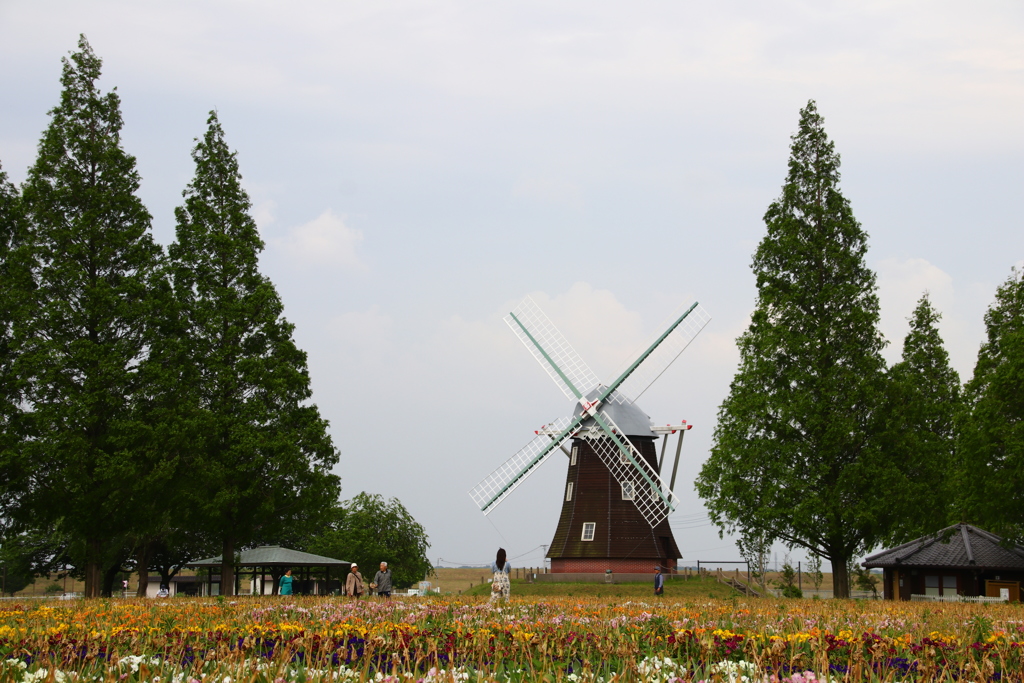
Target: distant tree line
819	445
154	407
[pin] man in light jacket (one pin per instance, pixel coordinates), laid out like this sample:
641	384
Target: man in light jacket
382	581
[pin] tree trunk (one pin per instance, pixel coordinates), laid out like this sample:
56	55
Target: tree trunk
227	567
93	578
840	578
108	580
142	560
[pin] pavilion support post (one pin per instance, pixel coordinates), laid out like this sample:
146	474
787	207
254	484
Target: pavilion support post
227	567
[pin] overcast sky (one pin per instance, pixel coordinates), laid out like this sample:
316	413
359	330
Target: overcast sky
416	168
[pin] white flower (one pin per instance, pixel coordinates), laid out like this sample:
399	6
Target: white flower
660	669
736	672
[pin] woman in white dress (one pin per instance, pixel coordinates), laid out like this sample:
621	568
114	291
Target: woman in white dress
500	585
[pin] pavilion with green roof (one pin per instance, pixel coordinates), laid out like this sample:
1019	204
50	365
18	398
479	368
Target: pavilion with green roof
275	560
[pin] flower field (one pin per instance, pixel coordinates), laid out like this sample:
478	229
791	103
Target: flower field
277	640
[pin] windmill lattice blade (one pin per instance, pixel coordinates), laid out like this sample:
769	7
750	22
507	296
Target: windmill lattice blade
651	496
558	349
662	357
504	480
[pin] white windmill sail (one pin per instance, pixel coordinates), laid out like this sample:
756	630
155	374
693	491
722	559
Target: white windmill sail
498	484
633	473
575	378
552	350
688	324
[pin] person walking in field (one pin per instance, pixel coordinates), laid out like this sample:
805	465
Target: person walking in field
500	584
382	581
659	581
285	585
354	582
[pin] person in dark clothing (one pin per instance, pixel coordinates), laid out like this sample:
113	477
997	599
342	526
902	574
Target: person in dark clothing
659	581
382	581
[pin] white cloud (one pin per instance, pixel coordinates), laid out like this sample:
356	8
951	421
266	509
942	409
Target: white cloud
901	283
325	240
716	344
263	214
600	327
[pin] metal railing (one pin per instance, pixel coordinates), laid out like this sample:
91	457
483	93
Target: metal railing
917	597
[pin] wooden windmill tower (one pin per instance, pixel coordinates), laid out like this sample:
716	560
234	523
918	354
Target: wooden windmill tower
615	505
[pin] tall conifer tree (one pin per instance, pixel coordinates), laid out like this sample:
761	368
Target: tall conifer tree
793	450
263	454
922	402
991	438
15	286
95	268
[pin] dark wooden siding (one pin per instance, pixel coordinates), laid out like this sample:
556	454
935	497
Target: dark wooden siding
621	531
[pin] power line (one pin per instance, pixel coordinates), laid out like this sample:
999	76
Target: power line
691	515
484	564
701	550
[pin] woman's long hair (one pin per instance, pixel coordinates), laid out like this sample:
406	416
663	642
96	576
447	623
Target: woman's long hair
500	559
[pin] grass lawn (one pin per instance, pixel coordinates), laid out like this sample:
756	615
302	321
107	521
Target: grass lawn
675	589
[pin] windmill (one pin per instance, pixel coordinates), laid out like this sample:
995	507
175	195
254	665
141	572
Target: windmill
615	506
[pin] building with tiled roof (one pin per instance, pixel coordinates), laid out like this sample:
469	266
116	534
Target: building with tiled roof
958	560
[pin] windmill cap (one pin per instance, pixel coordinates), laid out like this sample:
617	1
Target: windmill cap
630	419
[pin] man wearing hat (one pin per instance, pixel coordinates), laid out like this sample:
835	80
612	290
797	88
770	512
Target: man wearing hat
659	581
354	582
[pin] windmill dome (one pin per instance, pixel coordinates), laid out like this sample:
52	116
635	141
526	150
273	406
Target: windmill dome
630	419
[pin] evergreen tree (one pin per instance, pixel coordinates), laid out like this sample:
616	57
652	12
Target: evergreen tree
794	455
15	287
262	454
96	268
991	434
923	398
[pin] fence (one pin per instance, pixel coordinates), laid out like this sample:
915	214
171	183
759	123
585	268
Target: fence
955	598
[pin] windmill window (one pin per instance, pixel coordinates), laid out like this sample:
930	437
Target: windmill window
568	492
627	490
623	457
572	458
588	531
